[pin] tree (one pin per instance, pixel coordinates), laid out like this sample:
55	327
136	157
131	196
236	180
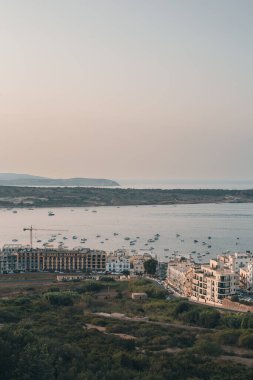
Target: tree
150	266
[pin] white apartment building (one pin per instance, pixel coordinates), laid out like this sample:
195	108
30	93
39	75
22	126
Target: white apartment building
246	277
117	262
239	260
213	282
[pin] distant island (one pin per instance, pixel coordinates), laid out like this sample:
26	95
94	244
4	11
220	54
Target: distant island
14	196
12	179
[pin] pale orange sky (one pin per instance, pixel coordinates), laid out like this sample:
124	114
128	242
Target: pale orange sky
126	88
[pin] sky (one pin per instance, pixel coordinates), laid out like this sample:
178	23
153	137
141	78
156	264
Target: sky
127	88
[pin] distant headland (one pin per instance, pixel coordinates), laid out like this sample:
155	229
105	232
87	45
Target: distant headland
12	179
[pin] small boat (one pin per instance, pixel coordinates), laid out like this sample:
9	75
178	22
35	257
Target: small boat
209	237
74	237
50	213
14	211
127	238
98	236
14	240
195	241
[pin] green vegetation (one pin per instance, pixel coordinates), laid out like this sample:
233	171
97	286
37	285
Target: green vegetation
150	266
13	196
57	333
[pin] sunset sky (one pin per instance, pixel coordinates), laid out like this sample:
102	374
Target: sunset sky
127	88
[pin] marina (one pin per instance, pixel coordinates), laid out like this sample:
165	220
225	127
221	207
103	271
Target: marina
198	231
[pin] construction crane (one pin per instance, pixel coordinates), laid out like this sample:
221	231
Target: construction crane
31	229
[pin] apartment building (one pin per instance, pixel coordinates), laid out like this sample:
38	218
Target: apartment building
27	259
118	261
180	274
137	263
213	282
246	277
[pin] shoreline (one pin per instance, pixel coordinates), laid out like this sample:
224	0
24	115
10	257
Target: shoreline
40	197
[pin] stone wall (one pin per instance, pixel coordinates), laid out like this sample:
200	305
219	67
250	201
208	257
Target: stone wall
236	306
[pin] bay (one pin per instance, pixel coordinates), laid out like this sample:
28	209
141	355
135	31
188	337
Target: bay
228	226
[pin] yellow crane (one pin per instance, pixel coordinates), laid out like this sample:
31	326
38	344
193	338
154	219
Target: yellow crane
31	229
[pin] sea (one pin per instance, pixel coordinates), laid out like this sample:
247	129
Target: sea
186	184
201	231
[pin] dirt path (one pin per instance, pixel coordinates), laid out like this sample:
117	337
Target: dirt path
122	317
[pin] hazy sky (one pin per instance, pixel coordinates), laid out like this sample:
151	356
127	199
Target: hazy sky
127	88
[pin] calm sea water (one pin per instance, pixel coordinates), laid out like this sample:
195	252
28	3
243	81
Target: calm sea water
186	184
229	226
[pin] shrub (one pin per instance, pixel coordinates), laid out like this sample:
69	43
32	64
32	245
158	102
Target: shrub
246	341
204	347
209	318
229	337
61	299
107	279
181	307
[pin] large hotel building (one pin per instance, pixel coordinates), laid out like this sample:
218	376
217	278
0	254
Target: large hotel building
20	258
